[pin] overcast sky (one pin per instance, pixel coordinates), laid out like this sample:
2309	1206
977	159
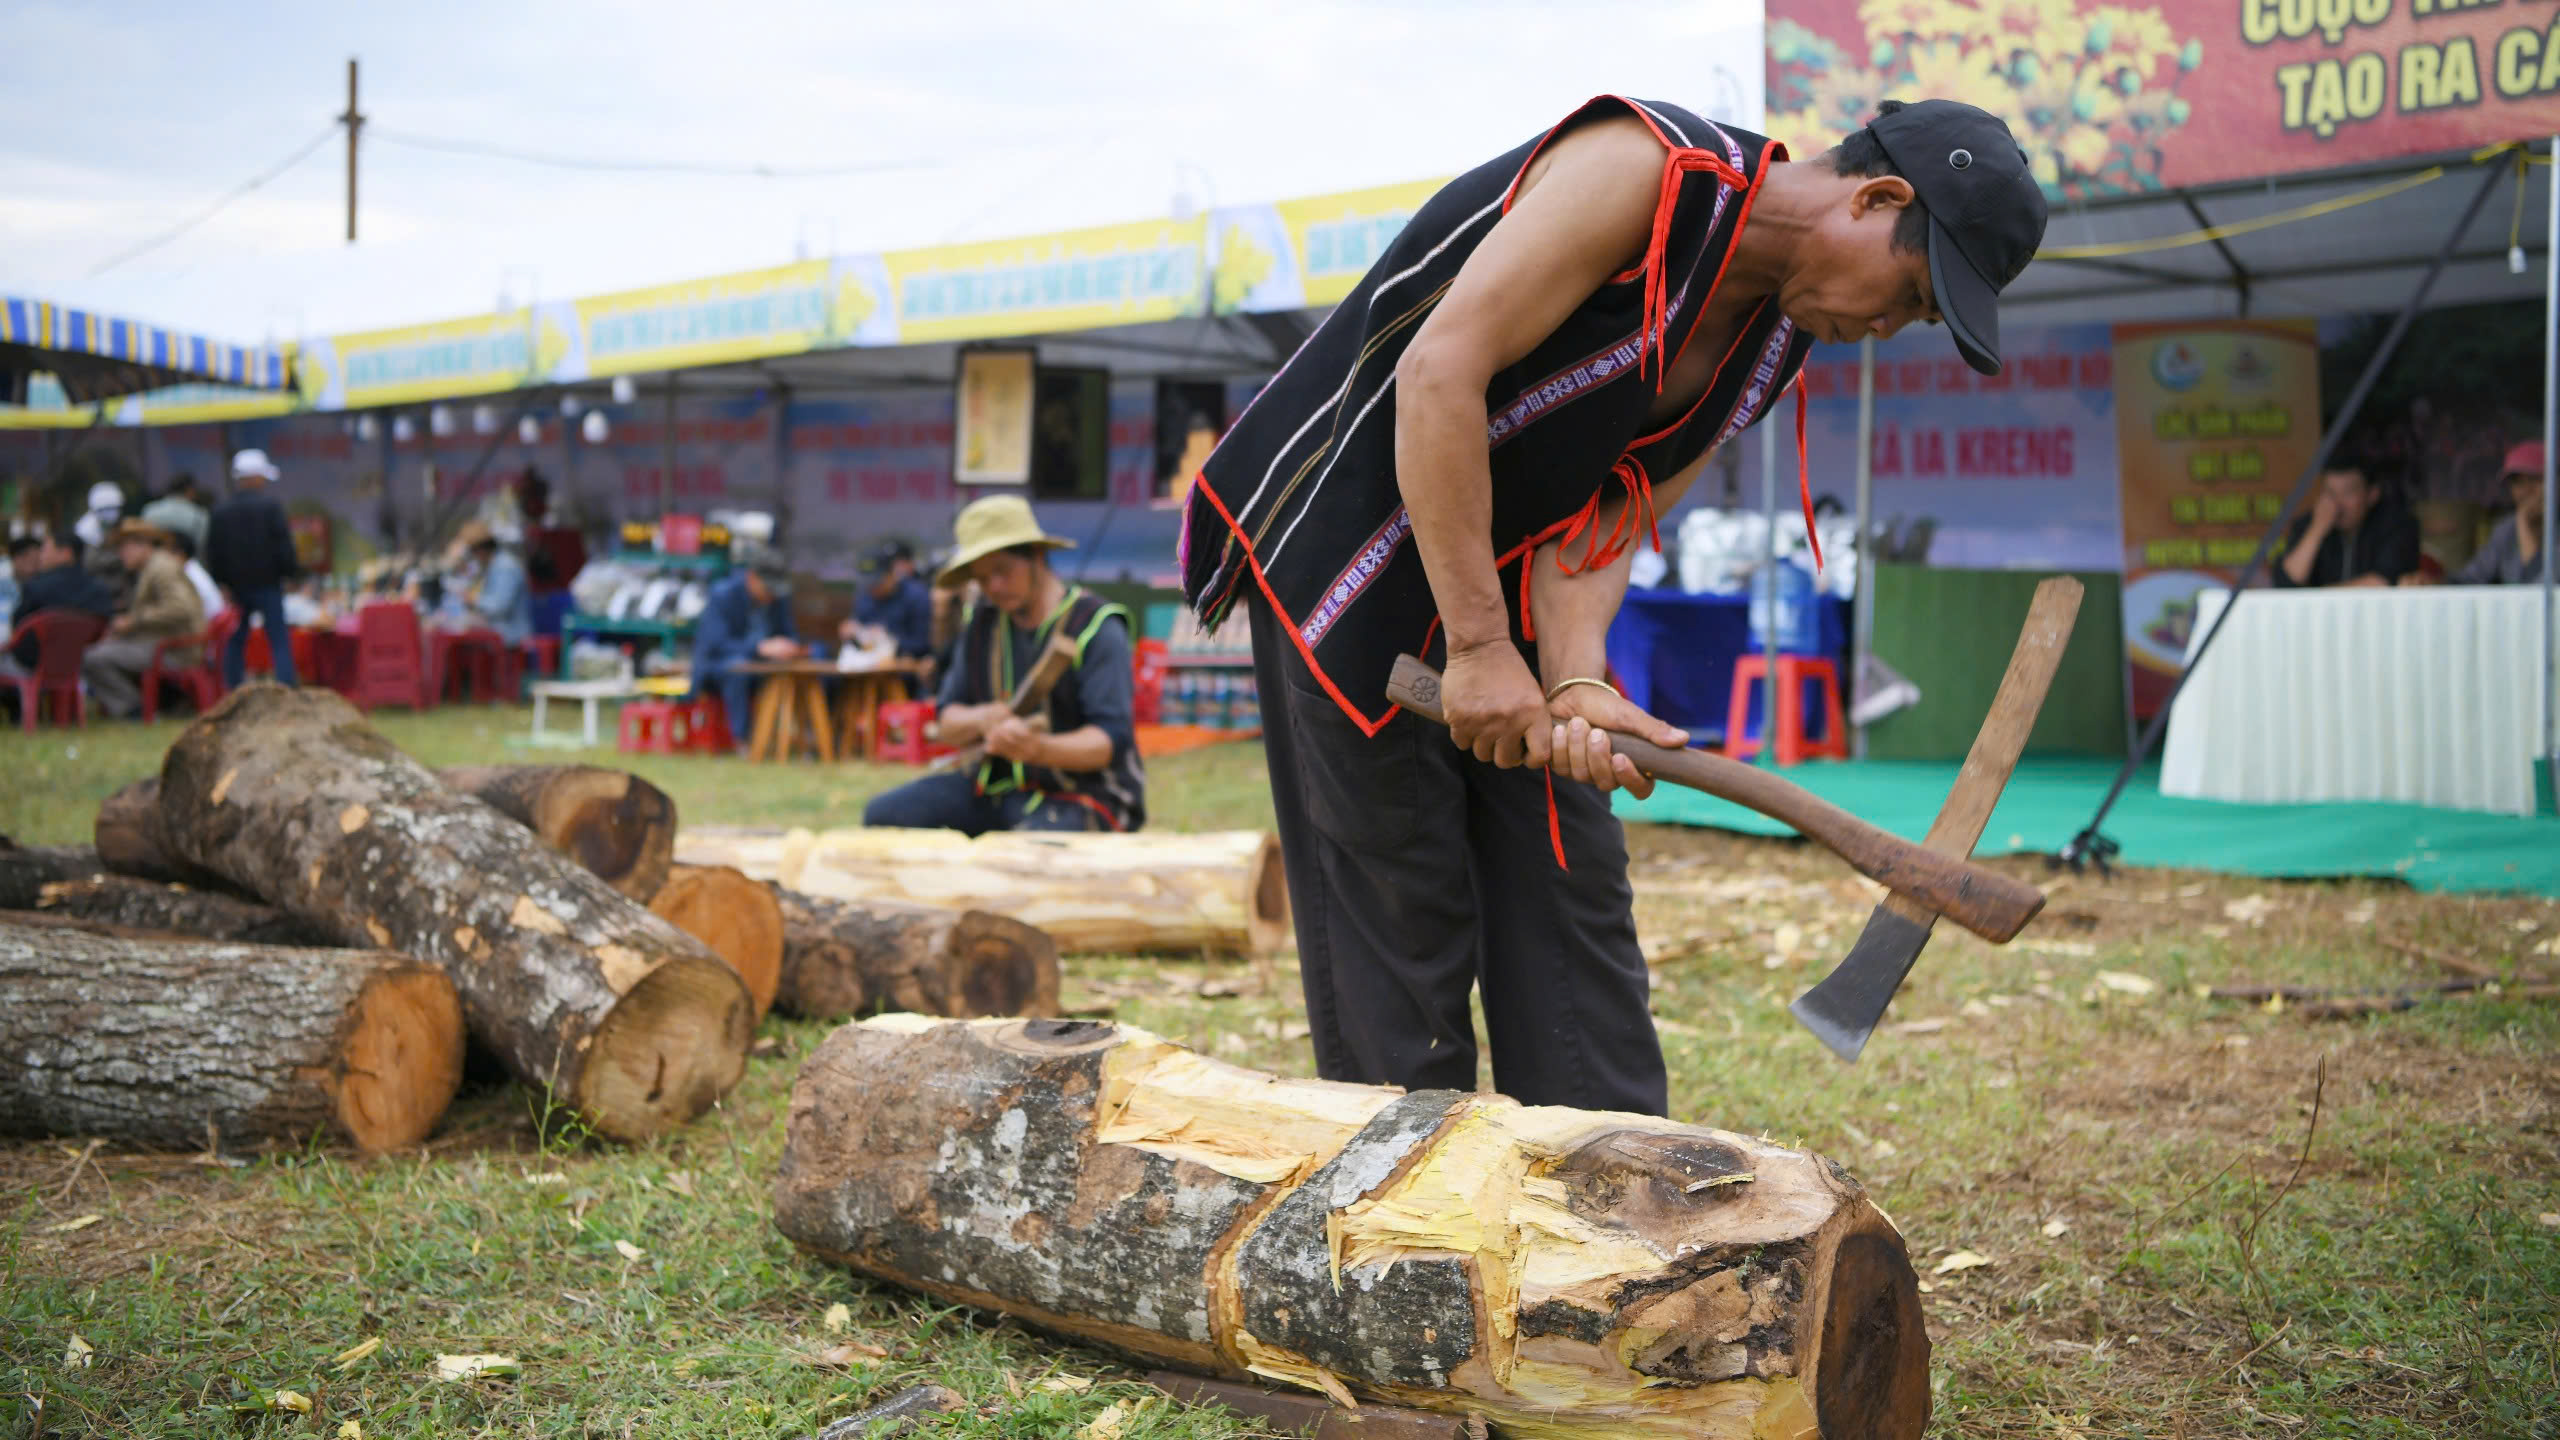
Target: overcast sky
1002	117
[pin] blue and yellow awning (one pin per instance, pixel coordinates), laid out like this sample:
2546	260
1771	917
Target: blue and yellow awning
97	357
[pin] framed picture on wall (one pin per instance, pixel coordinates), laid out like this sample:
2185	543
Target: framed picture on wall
993	414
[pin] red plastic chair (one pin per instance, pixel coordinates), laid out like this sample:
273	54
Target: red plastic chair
62	637
1794	673
200	682
391	658
542	653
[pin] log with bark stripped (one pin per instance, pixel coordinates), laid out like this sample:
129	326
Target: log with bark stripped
843	958
153	1039
1560	1272
632	1023
1150	893
123	901
738	918
619	826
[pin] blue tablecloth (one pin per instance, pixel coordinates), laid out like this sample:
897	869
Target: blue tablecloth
1674	652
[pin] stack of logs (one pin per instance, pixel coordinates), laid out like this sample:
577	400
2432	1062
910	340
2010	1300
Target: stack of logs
295	926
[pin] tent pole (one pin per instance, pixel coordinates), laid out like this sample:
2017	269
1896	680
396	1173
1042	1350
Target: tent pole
2550	477
2089	845
1767	580
1862	601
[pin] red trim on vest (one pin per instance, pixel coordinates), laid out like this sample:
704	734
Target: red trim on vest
1306	652
1804	478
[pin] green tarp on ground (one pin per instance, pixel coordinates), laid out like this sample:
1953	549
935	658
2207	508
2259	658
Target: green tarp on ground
2051	798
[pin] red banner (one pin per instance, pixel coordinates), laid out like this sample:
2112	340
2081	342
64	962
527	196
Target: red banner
2113	100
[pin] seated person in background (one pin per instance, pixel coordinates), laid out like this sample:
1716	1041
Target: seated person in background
165	607
502	599
745	617
894	602
54	579
1080	772
2358	533
181	511
300	610
206	591
22	564
2514	554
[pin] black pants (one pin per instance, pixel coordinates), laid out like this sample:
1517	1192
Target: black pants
952	802
1419	872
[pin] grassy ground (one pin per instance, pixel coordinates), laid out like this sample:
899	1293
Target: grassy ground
2201	1218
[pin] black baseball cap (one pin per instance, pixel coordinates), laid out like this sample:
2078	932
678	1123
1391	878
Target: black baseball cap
1986	211
887	553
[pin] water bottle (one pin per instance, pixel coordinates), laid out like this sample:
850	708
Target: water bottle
1794	604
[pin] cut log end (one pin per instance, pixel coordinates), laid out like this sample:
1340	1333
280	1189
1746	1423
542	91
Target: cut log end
1267	922
402	1058
617	826
676	1042
1872	1375
739	919
1005	967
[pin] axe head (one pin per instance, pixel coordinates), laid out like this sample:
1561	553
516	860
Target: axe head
1843	1009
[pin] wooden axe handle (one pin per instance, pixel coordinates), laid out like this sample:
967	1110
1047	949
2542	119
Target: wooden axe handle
1983	901
1030	696
2003	736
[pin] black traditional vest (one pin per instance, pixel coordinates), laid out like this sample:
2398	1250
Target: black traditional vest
1118	791
1300	500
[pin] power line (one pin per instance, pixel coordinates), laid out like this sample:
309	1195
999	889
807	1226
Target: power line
236	192
659	167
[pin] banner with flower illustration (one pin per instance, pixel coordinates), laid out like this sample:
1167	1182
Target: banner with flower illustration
2121	99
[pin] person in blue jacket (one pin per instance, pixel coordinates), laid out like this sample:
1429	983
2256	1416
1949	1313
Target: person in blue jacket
746	617
892	606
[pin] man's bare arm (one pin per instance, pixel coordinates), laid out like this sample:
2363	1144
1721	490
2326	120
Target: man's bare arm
1584	213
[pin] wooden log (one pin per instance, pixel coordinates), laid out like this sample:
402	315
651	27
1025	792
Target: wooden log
128	903
130	840
621	827
26	869
1149	893
153	1040
1557	1271
736	917
631	1023
846	958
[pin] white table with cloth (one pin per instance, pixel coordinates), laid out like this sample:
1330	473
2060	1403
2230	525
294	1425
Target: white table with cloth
2421	696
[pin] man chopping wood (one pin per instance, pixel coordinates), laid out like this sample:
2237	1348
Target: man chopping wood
1065	758
1459	464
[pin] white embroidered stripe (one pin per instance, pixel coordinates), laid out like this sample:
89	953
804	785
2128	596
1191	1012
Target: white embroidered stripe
1367	565
1244	512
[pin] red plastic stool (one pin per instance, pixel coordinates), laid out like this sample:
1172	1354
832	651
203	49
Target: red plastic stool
903	724
544	650
706	723
1794	671
657	727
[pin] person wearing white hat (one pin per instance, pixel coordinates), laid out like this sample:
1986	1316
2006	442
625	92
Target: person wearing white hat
106	507
1079	771
248	550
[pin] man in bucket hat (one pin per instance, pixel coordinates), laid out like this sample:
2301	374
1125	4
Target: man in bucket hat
1079	771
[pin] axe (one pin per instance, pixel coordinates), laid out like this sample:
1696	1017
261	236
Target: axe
1030	698
1986	902
1842	1010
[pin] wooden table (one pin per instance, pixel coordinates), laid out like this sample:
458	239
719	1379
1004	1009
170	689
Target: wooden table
794	691
858	709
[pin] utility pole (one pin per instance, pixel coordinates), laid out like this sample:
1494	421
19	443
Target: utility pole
354	121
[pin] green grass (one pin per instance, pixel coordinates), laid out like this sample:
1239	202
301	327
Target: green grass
2402	1283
